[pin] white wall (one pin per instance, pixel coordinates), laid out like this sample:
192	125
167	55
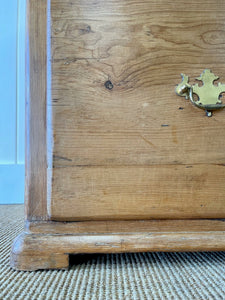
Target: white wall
12	100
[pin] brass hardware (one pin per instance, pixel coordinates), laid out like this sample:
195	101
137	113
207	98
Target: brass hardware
208	94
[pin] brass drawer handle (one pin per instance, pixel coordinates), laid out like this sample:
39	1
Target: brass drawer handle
208	94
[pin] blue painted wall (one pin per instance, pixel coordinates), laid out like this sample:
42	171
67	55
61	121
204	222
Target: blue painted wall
12	100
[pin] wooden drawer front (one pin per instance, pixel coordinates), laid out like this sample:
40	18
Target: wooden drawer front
124	145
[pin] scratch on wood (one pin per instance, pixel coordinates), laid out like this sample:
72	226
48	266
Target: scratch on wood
61	157
107	244
147	141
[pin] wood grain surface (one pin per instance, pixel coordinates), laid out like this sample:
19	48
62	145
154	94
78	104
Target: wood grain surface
121	227
174	192
108	139
49	245
36	112
125	146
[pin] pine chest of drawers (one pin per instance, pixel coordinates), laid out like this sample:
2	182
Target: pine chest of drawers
115	160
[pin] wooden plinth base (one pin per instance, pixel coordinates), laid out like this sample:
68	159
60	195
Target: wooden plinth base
47	245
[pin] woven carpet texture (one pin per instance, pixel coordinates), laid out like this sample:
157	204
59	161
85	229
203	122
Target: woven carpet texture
111	276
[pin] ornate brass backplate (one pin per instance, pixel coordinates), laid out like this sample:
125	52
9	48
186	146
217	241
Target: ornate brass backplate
208	94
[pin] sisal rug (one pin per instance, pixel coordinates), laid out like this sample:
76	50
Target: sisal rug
118	276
